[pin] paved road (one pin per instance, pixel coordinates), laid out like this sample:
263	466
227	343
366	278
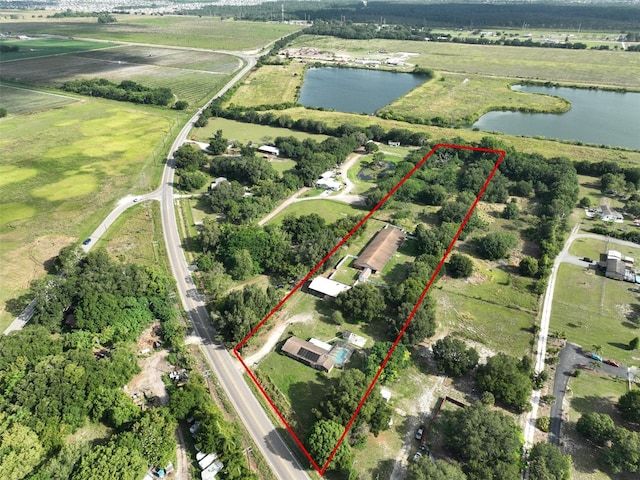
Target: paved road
228	371
561	376
571	358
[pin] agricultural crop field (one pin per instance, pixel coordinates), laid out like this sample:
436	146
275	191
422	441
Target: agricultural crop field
38	47
462	99
192	75
572	67
593	310
65	168
21	101
211	33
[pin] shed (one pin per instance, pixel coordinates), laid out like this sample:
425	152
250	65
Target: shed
269	149
324	286
354	339
319	343
615	269
308	353
329	184
376	255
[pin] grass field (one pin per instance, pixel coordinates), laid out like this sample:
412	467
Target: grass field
179	30
330	210
270	84
593	310
590	392
80	158
592	248
247	132
462	99
572	67
136	237
39	47
193	76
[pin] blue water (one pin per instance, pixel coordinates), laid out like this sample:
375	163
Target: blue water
355	90
596	116
341	355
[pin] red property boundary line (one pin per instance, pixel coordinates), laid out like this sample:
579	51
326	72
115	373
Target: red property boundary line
323	469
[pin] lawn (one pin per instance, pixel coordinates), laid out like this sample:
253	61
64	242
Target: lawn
330	210
80	159
206	32
590	392
463	98
247	132
592	248
593	310
572	67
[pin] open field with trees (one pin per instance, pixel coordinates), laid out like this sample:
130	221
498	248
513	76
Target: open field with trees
64	183
271	84
181	31
593	310
591	392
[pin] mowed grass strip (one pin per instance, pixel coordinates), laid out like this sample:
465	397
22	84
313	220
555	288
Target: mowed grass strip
593	310
462	99
330	210
180	30
574	67
85	155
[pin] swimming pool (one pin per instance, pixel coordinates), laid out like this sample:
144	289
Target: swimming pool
340	355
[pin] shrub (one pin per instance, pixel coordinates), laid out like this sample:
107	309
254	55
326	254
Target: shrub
542	424
460	266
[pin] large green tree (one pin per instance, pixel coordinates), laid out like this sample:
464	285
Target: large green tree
425	469
496	245
399	360
547	462
453	357
507	379
321	441
20	452
487	442
629	406
362	303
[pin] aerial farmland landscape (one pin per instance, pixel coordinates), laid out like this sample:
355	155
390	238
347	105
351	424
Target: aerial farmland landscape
300	240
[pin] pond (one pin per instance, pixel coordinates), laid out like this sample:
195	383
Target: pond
596	116
355	90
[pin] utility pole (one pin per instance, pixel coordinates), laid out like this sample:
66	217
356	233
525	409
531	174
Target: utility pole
282	10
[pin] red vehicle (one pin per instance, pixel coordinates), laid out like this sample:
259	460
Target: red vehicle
613	363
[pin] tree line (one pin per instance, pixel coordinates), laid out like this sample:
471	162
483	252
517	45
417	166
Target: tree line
125	91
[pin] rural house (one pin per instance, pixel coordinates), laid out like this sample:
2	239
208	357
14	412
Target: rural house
315	356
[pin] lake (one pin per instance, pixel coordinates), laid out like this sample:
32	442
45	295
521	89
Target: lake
354	90
596	116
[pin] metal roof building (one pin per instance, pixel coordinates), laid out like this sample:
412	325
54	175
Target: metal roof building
376	255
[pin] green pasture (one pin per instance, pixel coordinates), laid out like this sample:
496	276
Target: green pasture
571	67
330	210
593	310
547	148
592	391
592	248
247	132
493	307
283	165
21	100
462	99
41	47
183	30
80	159
270	84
